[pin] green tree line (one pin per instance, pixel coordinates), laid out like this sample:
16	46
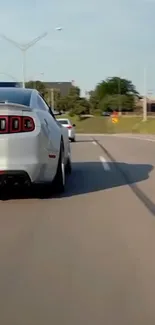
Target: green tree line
112	94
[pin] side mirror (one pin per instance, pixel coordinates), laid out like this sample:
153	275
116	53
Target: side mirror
74	125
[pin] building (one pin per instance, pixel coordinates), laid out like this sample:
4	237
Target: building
150	103
63	87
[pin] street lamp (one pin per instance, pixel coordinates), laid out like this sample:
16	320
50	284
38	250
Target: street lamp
8	75
24	47
119	95
145	97
58	28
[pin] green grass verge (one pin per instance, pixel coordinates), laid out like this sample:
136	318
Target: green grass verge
105	125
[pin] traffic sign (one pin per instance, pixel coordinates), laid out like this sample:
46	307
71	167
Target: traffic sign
114	120
114	117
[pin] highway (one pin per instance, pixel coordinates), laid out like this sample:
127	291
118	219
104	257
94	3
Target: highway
87	257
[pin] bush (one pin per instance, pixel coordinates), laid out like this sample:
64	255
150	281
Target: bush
71	114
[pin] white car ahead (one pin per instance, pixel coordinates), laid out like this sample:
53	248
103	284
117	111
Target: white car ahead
34	148
71	128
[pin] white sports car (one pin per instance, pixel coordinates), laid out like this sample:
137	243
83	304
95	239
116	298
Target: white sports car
34	147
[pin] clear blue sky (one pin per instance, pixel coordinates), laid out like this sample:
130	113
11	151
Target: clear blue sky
101	38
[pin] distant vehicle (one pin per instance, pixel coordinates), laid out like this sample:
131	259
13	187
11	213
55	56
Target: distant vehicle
56	112
34	148
71	128
106	114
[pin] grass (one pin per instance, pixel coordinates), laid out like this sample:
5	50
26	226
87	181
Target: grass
105	125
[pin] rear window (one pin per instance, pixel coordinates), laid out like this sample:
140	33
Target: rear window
9	84
63	121
15	96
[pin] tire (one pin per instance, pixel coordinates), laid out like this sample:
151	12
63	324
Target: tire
59	180
73	140
68	167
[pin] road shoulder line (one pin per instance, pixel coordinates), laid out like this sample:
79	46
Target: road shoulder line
121	136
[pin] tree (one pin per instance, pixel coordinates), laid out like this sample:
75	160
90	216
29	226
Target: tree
62	104
73	96
117	103
83	102
67	103
114	93
109	103
53	97
74	92
78	110
115	86
93	101
78	105
39	85
57	95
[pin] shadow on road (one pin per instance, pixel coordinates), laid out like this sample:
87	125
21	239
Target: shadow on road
83	140
91	177
88	177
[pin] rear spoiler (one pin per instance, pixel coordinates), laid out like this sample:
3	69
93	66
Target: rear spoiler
6	105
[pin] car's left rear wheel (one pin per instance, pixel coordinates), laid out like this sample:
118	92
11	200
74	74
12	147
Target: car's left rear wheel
68	167
59	181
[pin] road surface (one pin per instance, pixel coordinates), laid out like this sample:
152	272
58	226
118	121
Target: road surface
87	257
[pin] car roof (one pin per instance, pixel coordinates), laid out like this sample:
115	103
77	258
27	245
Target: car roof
17	95
17	90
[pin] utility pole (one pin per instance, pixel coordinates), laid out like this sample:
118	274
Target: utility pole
145	109
52	98
145	98
119	95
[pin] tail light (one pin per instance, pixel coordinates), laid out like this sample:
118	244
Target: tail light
16	124
69	127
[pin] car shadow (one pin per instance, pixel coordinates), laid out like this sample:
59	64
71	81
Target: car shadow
87	177
91	177
83	140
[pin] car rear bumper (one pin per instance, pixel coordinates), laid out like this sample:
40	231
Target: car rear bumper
14	177
25	153
32	172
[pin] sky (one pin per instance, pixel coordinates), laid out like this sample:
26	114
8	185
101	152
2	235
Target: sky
99	39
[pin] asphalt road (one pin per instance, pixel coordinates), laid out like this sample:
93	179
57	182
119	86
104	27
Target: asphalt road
86	257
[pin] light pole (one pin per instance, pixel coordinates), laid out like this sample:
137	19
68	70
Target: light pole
145	98
51	97
119	95
24	47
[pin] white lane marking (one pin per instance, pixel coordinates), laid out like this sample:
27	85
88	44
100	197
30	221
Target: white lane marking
104	163
120	136
134	137
94	142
